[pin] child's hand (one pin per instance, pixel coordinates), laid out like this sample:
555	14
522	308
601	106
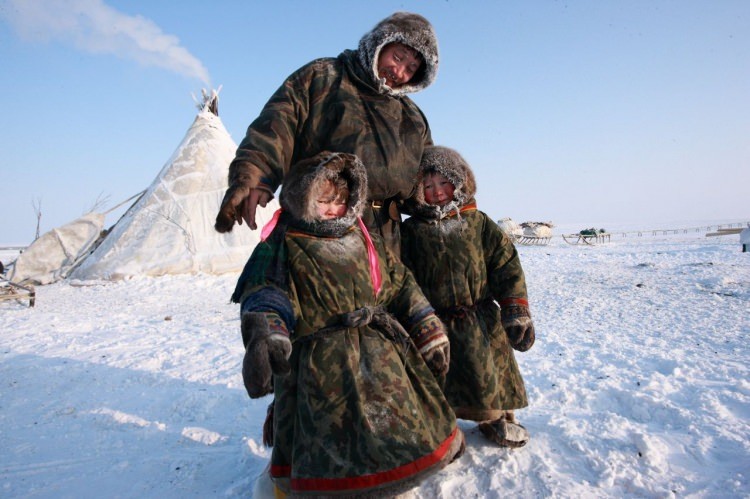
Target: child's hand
438	359
517	323
266	354
433	344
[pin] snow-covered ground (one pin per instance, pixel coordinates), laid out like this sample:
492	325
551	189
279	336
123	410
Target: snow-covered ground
639	383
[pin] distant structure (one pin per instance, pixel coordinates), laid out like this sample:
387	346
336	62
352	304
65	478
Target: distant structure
510	227
167	230
527	233
589	236
54	254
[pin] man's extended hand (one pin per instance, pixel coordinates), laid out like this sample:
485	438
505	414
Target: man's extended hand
250	205
240	203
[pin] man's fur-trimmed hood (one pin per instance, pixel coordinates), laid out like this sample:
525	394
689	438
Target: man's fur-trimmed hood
299	192
407	28
450	164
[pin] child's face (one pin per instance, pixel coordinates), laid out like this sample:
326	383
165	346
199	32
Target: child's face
438	190
331	204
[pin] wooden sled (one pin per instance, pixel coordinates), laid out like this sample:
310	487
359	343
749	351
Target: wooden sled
532	240
587	239
724	232
13	291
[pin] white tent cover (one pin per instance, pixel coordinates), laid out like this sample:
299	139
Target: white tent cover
510	227
169	230
51	256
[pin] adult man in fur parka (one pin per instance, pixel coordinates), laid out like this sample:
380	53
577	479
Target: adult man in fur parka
355	103
466	266
357	409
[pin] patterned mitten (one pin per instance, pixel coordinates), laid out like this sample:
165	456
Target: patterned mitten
266	353
517	323
433	344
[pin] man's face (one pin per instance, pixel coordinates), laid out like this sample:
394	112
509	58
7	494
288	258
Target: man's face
398	63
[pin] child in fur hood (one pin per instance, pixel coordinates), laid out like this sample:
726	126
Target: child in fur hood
466	266
357	410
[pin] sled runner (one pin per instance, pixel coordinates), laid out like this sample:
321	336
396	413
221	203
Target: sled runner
589	237
724	232
527	233
535	233
532	240
13	291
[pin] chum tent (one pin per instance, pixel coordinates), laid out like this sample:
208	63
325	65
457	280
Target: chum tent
169	230
53	254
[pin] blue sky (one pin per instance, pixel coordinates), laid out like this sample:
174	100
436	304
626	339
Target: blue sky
589	112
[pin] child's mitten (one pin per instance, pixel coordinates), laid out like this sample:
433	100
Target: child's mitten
438	357
517	323
432	342
266	353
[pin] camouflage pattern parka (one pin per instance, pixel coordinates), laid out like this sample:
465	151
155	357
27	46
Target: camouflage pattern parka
360	413
466	265
340	104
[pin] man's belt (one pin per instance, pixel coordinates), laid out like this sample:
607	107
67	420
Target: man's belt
385	209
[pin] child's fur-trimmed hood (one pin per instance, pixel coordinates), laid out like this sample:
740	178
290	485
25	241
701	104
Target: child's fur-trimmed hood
450	164
300	189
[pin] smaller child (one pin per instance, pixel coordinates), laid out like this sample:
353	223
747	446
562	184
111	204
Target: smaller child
356	408
466	266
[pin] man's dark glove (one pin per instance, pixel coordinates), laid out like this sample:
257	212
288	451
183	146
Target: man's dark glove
266	353
517	323
231	208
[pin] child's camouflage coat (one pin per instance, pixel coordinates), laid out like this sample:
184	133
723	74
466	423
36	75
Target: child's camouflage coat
360	411
465	264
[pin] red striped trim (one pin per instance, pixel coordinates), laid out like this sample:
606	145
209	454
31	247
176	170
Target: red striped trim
464	208
298	233
280	471
468	207
426	331
367	481
514	301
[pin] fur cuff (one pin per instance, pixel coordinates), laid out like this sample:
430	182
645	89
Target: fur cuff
435	342
276	326
428	333
515	314
509	302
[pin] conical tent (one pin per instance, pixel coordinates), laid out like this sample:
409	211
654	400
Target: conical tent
53	255
169	230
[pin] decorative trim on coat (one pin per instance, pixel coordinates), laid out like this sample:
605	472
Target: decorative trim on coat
400	473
